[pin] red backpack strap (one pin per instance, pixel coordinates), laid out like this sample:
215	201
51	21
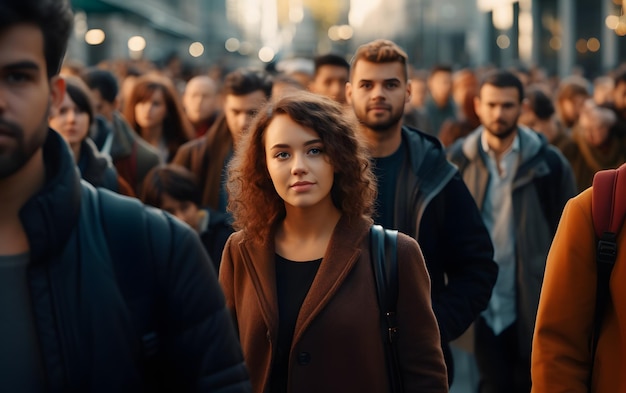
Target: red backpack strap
608	208
608	204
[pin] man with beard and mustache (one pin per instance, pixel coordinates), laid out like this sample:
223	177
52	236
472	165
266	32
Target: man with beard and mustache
84	272
520	183
420	193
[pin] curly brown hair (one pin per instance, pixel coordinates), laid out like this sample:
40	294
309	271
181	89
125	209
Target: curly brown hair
253	201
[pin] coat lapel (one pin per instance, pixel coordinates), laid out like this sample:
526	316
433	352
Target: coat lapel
260	262
341	255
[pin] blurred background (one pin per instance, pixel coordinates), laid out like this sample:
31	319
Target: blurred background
562	37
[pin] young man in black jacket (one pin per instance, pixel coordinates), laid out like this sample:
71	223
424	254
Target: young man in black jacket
420	193
97	293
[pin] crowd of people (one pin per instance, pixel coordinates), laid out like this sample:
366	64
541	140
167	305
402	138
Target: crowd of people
212	233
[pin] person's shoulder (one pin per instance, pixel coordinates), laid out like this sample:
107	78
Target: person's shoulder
124	210
406	242
192	147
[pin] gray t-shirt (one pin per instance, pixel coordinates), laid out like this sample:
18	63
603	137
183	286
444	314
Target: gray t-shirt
21	368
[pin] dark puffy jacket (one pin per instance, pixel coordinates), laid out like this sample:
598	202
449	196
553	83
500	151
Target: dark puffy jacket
86	325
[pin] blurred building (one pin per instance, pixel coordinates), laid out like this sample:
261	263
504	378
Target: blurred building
152	29
561	36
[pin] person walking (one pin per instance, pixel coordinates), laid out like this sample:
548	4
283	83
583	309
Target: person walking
298	274
520	183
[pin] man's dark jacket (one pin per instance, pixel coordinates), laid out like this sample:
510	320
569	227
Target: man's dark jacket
87	329
434	206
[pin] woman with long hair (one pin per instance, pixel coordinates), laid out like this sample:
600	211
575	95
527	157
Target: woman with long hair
155	112
298	276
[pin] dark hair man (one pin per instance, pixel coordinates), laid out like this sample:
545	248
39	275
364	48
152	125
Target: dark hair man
439	104
521	184
244	91
132	156
97	292
330	77
420	193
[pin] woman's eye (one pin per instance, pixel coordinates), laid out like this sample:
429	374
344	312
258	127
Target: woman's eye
315	151
282	155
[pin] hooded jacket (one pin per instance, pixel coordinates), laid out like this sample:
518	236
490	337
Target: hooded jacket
542	184
434	207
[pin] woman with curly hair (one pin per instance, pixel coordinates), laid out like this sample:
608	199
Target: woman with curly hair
155	112
297	274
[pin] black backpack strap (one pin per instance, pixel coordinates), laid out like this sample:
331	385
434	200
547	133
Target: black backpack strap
384	254
133	254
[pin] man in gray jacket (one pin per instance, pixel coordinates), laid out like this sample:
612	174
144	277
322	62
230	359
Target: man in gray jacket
521	184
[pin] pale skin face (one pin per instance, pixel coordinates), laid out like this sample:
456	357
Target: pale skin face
330	81
71	122
149	114
239	110
183	210
200	99
298	166
378	93
498	108
26	94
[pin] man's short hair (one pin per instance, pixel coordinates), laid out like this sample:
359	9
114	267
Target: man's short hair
104	81
440	68
571	87
381	51
244	81
501	79
331	60
53	17
539	103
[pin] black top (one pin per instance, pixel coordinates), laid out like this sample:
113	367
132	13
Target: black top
386	170
293	280
21	368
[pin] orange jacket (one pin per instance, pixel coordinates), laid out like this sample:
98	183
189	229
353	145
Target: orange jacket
561	356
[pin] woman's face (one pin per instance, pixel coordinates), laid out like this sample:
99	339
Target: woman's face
151	113
70	121
297	163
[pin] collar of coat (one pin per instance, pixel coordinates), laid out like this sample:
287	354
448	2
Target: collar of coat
343	251
50	215
530	143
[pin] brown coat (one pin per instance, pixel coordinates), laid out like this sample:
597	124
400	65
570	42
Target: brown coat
338	328
205	157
